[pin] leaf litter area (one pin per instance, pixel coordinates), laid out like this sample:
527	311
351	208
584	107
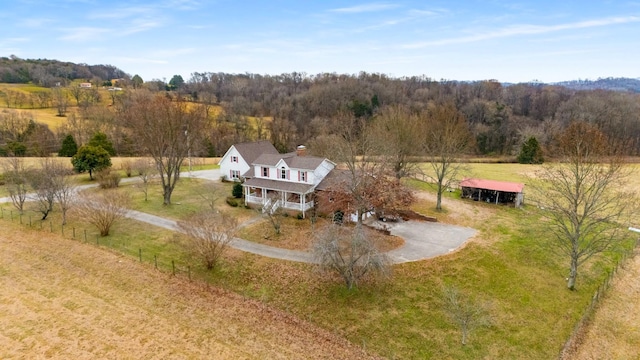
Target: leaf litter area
64	299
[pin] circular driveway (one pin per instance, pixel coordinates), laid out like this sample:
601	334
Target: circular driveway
424	240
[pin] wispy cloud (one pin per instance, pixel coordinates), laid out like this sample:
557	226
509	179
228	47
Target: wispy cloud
517	30
139	60
137	26
372	7
36	22
120	13
81	34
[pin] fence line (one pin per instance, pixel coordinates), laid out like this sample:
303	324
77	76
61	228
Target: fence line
110	242
574	339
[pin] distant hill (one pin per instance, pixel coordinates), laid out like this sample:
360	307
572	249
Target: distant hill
43	72
613	84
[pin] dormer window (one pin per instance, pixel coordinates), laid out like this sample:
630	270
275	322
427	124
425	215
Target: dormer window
265	172
303	176
283	173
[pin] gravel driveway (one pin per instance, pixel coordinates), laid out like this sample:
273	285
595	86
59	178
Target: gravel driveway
424	240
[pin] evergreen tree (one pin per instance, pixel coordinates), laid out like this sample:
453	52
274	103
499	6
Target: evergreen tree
531	153
91	158
69	147
100	139
236	191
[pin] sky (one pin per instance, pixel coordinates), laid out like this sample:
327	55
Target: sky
510	41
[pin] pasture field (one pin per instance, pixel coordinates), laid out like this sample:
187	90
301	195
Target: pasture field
63	299
503	266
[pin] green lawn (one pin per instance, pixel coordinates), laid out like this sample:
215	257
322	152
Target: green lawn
504	266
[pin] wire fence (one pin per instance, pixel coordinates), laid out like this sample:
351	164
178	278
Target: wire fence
571	345
87	236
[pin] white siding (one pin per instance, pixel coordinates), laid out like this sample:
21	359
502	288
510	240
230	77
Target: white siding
226	165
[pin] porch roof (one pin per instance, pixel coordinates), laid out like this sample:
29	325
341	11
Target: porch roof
279	185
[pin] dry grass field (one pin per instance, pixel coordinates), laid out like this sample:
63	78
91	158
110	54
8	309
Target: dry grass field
62	299
614	332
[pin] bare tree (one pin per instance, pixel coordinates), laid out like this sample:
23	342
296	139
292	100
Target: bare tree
76	92
167	131
61	101
146	173
467	314
16	175
581	196
398	132
102	210
355	149
208	235
42	182
348	252
64	188
273	212
210	193
447	137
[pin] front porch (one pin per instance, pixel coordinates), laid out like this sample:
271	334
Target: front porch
274	199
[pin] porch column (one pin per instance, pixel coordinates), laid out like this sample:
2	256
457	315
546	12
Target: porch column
302	203
246	194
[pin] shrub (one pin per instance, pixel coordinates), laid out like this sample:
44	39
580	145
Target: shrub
231	201
127	166
108	179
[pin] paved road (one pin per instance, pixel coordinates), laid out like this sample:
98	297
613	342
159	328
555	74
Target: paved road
423	240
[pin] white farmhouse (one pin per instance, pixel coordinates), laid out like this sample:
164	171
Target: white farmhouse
274	180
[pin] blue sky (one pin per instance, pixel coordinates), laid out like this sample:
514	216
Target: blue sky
511	41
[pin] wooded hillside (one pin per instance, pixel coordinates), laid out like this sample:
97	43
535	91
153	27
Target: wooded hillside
295	108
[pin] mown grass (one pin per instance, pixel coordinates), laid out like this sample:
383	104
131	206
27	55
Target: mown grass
504	266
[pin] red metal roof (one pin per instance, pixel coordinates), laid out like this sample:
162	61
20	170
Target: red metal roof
492	185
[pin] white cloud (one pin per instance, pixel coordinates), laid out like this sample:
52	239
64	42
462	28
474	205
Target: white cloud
524	30
82	34
137	26
372	7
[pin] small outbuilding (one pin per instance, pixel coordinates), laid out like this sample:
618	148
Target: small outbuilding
492	191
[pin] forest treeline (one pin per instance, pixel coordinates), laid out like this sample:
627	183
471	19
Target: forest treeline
294	108
48	73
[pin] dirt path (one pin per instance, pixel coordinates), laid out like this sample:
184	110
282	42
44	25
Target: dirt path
62	299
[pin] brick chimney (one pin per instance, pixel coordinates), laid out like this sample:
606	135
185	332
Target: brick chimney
301	150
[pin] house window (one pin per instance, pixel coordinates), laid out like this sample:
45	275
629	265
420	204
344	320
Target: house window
234	159
303	176
283	173
235	174
265	172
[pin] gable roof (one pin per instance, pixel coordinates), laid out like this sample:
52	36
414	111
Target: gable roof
291	159
250	151
492	185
